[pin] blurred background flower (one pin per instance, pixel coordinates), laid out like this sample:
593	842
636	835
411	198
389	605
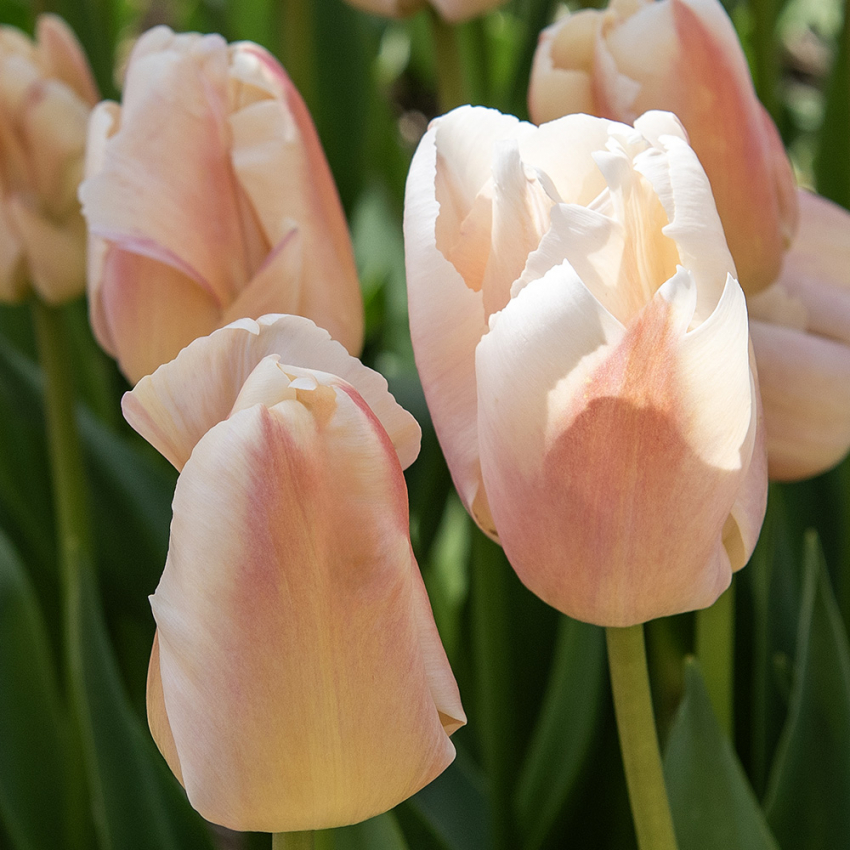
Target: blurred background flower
46	94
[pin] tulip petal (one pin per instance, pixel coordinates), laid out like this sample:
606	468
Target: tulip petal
173	408
446	316
805	388
604	506
676	175
562	66
152	308
166	181
292	675
277	285
64	57
13	284
157	715
55	254
279	162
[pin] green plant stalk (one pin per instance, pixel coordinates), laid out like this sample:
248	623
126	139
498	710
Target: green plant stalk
715	649
451	88
293	841
638	738
491	652
70	504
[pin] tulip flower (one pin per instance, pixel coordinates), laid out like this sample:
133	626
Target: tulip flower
682	56
208	199
453	11
46	95
801	334
583	347
297	680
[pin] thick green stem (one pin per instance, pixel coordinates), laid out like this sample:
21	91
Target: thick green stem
293	841
66	459
495	695
451	89
70	504
715	649
638	739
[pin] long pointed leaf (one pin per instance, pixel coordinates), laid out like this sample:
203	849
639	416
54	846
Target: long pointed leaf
712	801
810	781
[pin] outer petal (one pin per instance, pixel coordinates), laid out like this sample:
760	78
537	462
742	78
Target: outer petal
805	387
173	408
446	316
279	162
151	311
292	674
55	254
801	333
620	519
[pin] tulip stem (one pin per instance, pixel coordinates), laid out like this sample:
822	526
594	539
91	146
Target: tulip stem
66	457
450	79
715	649
293	841
70	504
639	739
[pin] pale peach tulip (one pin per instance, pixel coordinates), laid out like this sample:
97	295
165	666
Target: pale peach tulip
453	11
801	334
583	347
209	199
297	680
682	56
46	95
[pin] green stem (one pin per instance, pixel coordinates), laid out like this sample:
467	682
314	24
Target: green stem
638	739
293	841
66	459
491	648
715	649
70	504
451	90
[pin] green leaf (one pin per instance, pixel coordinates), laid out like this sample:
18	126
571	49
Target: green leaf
810	781
452	811
137	805
712	801
33	743
569	723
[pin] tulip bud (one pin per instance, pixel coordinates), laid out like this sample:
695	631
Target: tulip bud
297	680
208	199
682	56
453	11
46	95
583	347
801	334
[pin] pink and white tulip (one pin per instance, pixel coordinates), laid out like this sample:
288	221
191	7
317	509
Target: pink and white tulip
297	680
682	56
208	199
583	346
46	95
